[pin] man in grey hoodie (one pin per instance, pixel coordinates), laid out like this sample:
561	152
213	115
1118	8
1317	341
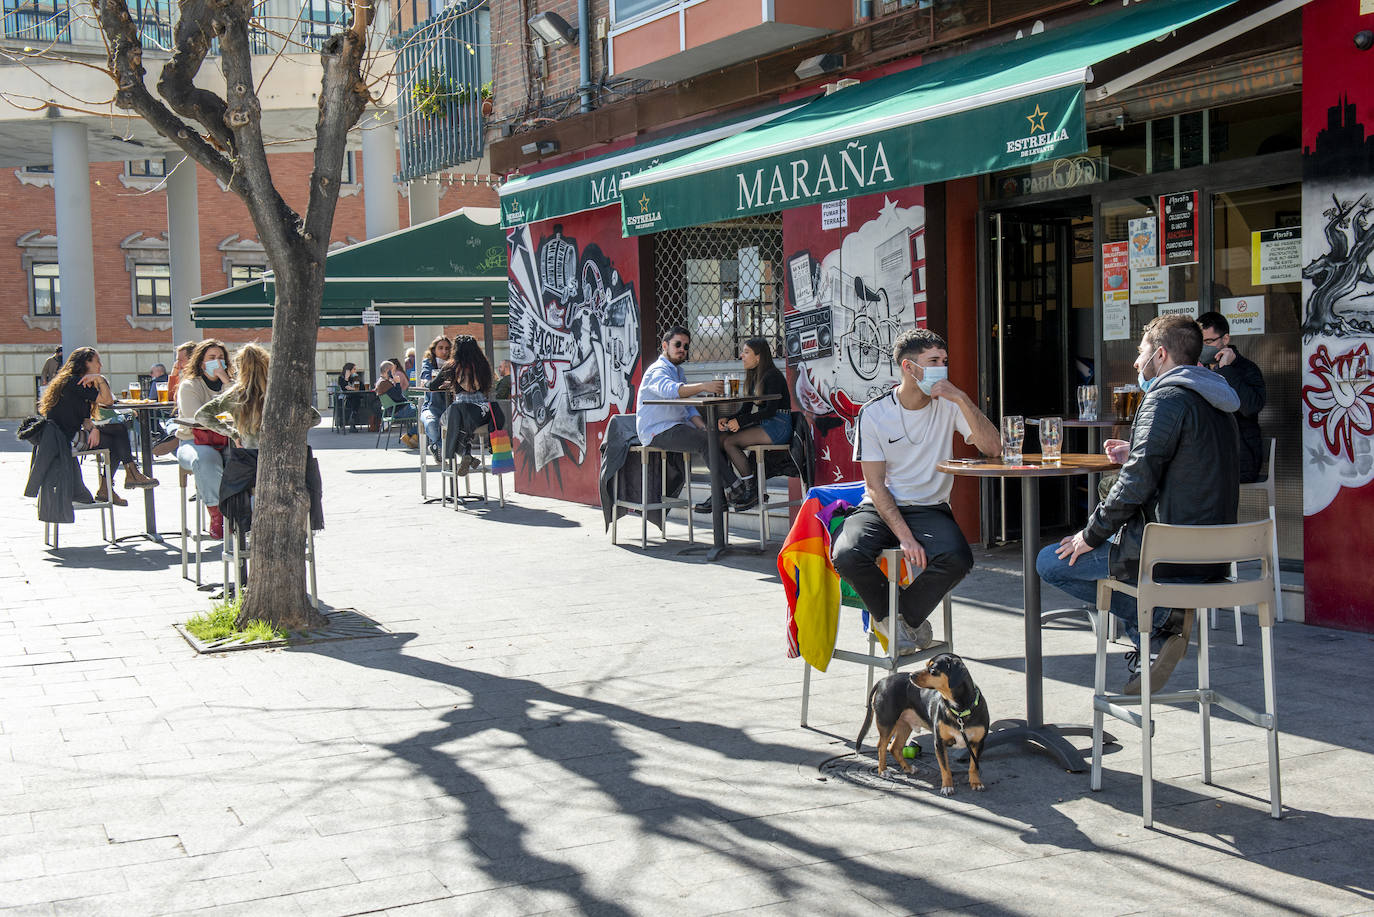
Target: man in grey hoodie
1180	468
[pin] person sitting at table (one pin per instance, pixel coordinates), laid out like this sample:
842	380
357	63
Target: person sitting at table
348	378
899	438
390	390
467	380
672	427
183	357
73	401
435	403
409	367
201	452
1180	467
243	401
156	374
758	423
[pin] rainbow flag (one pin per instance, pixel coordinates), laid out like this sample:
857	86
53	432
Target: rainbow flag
502	459
812	587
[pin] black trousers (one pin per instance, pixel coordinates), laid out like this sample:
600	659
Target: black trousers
865	536
115	437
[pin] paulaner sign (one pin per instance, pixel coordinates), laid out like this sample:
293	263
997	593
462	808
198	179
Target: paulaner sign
783	171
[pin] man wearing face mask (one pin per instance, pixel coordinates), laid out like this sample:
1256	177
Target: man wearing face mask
1221	356
899	438
1179	468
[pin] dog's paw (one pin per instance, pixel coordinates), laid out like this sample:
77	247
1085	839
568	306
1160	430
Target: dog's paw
978	787
906	766
947	790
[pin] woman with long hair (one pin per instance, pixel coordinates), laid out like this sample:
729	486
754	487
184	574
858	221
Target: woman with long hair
201	452
759	423
466	377
243	402
435	403
391	387
73	400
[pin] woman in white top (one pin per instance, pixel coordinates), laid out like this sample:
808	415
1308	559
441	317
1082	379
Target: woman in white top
206	375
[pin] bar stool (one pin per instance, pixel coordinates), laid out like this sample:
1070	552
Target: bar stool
239	549
890	662
1192	544
51	534
482	452
1264	485
765	507
665	502
187	534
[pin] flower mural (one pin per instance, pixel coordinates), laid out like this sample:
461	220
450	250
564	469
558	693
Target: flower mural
1342	404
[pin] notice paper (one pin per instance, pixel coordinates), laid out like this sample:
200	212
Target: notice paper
1116	273
1245	314
1275	256
1144	242
1179	308
1116	315
1149	284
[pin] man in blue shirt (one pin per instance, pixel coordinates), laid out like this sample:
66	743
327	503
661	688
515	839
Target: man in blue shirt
676	428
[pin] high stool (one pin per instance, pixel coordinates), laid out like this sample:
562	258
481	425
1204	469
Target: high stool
1264	485
241	554
891	662
665	503
1192	544
199	533
481	452
765	508
51	536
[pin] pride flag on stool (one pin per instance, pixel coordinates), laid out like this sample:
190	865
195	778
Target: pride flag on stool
502	460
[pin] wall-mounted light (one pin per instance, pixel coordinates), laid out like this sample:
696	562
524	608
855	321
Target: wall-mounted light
821	63
539	147
553	29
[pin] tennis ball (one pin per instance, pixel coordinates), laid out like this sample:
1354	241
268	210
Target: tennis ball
910	751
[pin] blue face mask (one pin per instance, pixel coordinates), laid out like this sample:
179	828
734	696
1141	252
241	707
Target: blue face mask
1140	377
932	375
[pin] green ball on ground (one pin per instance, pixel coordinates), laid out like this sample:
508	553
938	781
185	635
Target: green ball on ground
910	751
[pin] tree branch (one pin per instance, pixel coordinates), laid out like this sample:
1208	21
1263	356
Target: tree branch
177	82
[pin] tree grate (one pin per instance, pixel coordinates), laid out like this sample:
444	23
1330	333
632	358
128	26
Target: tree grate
344	624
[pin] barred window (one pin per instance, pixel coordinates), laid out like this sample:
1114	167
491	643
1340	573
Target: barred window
154	22
723	282
145	168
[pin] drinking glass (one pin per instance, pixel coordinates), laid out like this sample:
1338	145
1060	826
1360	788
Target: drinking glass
734	385
1051	437
1121	403
162	394
1013	438
1087	402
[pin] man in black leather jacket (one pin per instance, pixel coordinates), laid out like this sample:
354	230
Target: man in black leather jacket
1221	356
1180	468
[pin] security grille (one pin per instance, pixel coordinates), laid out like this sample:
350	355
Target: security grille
723	282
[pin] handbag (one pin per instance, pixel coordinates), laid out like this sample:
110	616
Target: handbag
211	438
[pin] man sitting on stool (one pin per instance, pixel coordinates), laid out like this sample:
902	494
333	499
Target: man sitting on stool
673	428
899	438
1180	468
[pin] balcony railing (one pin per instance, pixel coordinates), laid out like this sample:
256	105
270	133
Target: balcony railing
440	71
37	22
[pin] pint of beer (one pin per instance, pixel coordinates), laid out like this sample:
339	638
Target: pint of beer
734	386
163	395
1121	403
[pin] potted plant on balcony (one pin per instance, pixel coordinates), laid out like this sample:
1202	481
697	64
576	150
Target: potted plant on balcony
485	92
430	94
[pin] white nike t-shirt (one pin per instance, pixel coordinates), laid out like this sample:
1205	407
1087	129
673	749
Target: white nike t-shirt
911	442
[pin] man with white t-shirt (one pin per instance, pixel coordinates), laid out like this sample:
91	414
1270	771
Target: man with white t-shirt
899	438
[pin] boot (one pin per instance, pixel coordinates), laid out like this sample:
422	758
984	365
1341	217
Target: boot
137	480
216	522
104	494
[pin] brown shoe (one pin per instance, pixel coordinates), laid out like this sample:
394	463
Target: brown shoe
135	480
104	495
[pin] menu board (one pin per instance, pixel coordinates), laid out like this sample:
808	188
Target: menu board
1178	228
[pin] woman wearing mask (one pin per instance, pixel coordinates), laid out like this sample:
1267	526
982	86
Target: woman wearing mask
759	423
73	401
201	452
467	380
243	401
432	411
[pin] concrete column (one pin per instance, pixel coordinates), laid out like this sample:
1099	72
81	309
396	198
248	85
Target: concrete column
424	201
382	212
75	252
183	238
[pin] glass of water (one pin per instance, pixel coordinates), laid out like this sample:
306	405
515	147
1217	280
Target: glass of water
1087	402
1051	438
1013	438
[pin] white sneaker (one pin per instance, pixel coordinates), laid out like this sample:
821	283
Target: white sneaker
905	644
922	636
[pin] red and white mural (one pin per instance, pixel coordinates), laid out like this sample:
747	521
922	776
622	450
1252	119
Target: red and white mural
855	279
1338	314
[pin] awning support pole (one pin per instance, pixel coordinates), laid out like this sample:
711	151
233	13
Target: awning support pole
488	342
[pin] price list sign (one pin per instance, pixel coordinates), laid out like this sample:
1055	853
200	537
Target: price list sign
1178	228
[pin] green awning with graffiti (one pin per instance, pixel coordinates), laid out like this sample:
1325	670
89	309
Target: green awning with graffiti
438	272
995	108
594	182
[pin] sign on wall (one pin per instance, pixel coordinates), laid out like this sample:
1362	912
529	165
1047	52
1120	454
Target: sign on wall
1179	308
1275	256
1149	284
1245	314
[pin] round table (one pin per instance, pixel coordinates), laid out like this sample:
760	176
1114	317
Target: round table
1033	729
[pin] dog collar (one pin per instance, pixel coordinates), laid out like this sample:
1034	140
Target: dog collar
969	712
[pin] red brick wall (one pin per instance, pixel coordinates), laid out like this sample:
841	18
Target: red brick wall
512	90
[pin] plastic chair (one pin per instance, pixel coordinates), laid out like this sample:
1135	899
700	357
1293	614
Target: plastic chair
51	534
1265	486
1192	544
665	502
389	418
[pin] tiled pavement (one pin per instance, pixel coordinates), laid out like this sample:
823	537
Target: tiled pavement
555	724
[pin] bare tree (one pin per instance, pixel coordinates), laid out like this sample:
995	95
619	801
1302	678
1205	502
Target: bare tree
224	135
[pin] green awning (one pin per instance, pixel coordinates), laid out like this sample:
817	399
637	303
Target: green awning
436	273
1008	105
594	182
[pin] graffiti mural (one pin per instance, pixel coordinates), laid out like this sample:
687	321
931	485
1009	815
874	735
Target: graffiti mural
574	345
852	289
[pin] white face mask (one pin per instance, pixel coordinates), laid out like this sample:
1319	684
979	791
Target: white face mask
932	374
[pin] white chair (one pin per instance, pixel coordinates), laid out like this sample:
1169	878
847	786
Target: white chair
766	509
890	662
1192	544
198	534
51	535
1265	486
665	502
449	475
238	551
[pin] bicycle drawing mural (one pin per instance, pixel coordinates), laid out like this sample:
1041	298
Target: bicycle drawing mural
851	290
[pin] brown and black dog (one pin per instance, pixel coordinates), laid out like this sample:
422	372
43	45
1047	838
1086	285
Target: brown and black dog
942	698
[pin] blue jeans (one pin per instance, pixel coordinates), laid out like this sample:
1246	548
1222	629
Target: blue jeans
206	464
432	435
1080	581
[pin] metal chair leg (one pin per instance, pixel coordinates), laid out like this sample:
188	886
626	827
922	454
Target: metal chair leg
1204	706
615	507
1099	691
806	689
691	530
1144	621
645	459
310	560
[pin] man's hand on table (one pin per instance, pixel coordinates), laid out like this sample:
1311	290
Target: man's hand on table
1117	450
1071	548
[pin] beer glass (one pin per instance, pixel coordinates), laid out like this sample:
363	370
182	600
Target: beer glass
1087	402
1013	438
1121	403
1051	437
734	386
162	394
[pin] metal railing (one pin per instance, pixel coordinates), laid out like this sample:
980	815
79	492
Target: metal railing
440	75
37	22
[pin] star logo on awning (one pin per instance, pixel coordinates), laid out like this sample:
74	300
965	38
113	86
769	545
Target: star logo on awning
644	204
1037	119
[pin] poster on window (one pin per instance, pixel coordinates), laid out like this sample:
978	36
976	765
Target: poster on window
1245	314
1178	228
1275	256
1144	243
1179	308
1116	268
1149	284
1116	316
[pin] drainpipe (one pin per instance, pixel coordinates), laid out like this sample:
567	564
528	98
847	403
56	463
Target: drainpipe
584	53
